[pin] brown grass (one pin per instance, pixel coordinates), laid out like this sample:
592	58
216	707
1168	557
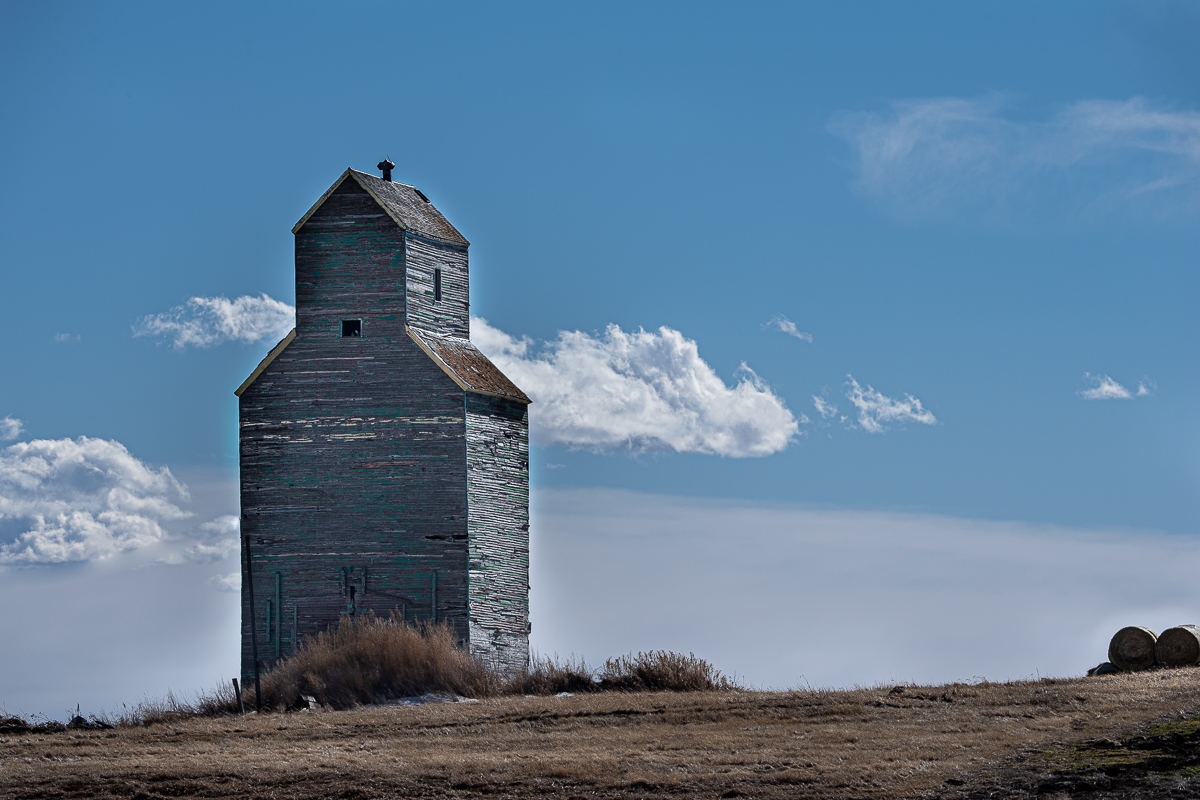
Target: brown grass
173	708
864	743
661	671
375	660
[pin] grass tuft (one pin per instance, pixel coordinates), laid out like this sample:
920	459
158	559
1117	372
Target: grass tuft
662	671
373	660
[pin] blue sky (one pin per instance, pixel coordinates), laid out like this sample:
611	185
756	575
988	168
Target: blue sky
988	210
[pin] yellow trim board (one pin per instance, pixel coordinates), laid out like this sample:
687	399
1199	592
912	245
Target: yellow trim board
266	362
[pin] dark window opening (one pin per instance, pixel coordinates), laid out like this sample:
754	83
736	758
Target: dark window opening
437	285
352	327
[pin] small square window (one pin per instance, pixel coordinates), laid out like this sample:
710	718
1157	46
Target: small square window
437	285
352	327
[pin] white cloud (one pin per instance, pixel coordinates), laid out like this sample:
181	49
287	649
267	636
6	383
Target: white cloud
226	583
1105	389
784	325
944	598
80	500
208	321
66	337
212	541
10	428
937	153
824	408
1146	387
876	411
638	391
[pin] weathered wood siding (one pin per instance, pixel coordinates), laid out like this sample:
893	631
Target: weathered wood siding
450	316
350	265
353	450
370	480
498	529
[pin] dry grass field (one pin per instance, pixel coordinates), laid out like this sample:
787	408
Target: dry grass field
948	741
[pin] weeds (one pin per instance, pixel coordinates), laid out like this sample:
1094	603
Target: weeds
661	671
152	711
550	676
374	660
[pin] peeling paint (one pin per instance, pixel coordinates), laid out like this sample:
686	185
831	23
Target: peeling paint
380	473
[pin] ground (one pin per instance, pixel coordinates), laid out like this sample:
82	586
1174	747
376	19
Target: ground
1048	738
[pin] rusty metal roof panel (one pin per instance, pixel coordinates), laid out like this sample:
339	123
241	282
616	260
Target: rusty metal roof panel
469	368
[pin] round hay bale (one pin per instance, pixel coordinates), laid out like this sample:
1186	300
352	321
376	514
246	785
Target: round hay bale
1132	648
1178	646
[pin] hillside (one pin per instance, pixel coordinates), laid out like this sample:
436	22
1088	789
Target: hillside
959	740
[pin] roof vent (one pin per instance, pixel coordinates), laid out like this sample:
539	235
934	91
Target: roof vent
386	167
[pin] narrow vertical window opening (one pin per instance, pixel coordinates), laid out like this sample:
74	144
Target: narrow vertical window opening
437	285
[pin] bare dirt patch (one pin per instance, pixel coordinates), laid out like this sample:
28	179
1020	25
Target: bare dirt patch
953	741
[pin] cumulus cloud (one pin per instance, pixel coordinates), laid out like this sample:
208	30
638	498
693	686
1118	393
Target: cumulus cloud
876	411
937	153
10	428
638	391
81	499
210	542
226	583
208	321
1108	389
784	325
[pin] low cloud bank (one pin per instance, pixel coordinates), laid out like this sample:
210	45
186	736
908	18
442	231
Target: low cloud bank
209	321
212	541
638	391
791	596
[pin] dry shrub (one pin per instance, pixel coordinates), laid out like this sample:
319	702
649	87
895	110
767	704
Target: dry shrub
550	676
662	671
151	711
371	660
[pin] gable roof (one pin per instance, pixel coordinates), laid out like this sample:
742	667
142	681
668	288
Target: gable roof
407	207
266	362
457	357
468	367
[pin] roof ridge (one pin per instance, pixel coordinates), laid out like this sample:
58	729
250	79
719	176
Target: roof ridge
407	205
